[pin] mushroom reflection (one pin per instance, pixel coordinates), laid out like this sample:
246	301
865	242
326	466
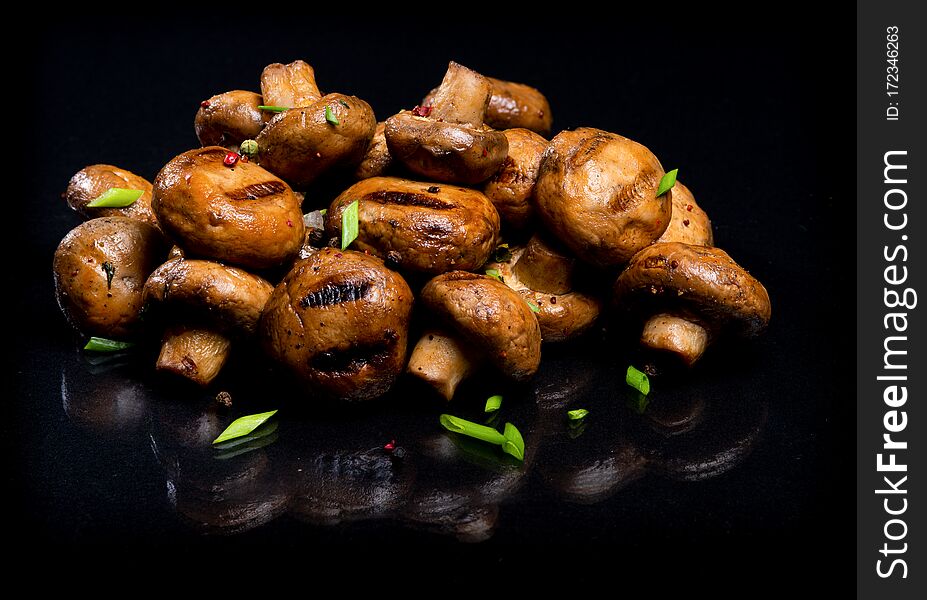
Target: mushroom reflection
118	403
215	491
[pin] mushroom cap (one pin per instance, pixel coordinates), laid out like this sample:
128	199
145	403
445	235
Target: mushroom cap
208	292
377	159
230	118
299	145
244	215
689	223
597	192
700	283
491	316
445	151
291	85
90	182
425	227
561	316
511	189
339	321
518	105
95	302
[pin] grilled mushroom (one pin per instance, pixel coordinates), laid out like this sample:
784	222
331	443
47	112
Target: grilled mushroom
100	269
690	295
511	189
229	119
377	160
543	275
339	321
689	223
597	193
318	133
208	304
241	213
447	141
423	227
92	181
481	318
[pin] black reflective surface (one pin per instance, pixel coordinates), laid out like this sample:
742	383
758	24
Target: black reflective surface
740	472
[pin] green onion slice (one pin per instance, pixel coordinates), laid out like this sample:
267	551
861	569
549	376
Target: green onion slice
577	414
638	380
323	211
273	108
502	253
494	273
533	306
330	116
514	444
349	224
668	181
493	403
471	429
98	344
344	104
116	198
243	426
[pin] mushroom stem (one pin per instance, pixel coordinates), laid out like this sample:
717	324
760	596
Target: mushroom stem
442	361
674	335
291	85
195	354
462	96
544	268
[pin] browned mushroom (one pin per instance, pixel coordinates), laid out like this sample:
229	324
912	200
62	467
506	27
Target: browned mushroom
597	193
511	189
100	269
292	85
339	321
229	119
481	318
514	105
208	305
317	133
689	223
241	213
688	296
377	159
543	274
447	141
92	181
424	227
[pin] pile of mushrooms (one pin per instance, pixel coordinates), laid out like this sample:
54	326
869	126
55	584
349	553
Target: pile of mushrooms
475	235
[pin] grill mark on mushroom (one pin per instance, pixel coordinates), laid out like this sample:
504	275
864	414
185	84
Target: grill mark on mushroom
257	190
336	293
632	194
407	199
355	357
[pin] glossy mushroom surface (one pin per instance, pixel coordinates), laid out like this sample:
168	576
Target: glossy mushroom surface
92	181
511	188
230	118
689	223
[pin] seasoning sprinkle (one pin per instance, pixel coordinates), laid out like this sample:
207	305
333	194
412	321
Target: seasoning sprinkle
204	104
249	148
110	270
343	103
422	111
231	159
389	446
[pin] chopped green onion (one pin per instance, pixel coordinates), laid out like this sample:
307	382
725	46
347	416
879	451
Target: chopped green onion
273	108
349	224
638	380
577	414
330	116
243	426
471	429
668	181
514	444
116	198
110	270
323	211
502	253
495	274
98	344
533	306
493	403
343	103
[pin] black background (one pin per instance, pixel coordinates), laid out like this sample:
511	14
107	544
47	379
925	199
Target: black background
757	115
